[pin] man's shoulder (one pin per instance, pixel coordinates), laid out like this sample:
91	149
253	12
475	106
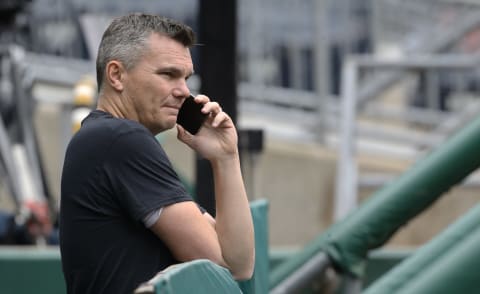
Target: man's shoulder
101	121
101	131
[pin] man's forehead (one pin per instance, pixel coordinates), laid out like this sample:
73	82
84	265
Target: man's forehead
166	43
167	53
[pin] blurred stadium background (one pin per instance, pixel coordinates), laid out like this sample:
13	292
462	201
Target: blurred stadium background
346	95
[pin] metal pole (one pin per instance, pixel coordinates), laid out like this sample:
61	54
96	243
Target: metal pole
446	40
297	75
322	64
305	275
347	171
346	179
218	72
426	256
256	73
347	242
432	92
27	132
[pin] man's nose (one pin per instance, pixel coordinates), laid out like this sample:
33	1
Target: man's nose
181	90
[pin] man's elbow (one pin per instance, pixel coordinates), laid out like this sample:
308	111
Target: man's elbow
245	272
243	275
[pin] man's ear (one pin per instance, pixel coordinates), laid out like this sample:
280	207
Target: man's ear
114	74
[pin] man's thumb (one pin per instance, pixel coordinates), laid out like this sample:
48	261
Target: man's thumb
183	135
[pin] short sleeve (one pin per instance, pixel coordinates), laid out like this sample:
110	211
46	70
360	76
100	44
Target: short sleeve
141	174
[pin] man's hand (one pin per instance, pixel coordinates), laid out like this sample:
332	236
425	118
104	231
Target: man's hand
217	138
228	239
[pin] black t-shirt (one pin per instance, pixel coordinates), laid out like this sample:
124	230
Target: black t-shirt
115	173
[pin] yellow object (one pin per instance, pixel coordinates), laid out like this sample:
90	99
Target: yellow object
84	92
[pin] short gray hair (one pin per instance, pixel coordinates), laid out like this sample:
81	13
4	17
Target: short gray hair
126	37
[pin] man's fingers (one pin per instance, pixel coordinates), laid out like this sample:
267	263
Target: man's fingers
219	119
202	99
212	107
208	106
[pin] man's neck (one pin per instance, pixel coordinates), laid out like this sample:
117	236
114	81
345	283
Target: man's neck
111	103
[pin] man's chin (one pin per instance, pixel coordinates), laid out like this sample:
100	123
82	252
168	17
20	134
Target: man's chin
166	127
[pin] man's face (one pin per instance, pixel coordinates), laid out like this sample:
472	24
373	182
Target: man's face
156	86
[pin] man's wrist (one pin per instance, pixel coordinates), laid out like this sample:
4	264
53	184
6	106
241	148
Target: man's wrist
226	160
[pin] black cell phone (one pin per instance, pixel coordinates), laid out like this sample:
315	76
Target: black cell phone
190	116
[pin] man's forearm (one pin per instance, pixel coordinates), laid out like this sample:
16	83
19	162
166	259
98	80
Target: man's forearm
234	224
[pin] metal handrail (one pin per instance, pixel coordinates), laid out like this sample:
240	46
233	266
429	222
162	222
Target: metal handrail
347	171
305	275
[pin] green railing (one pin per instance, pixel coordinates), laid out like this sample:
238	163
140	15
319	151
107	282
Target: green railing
199	276
205	277
348	242
26	270
450	251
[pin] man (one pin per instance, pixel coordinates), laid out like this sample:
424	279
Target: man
124	213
